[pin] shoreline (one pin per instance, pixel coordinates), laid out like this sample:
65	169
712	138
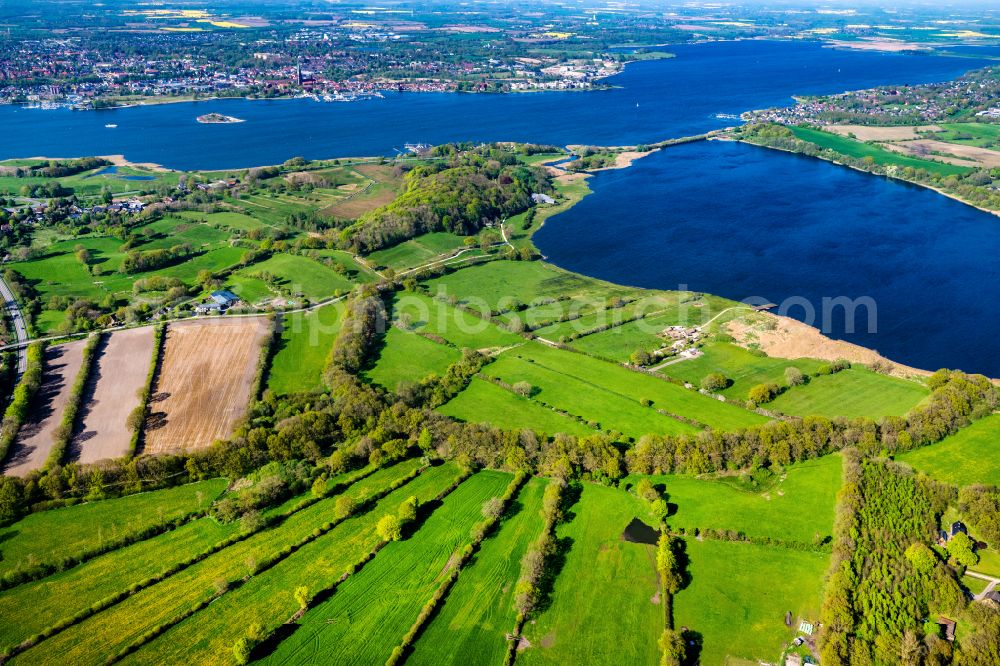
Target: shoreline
870	173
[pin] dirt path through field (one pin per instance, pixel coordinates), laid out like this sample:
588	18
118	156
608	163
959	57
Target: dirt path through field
204	383
34	441
120	367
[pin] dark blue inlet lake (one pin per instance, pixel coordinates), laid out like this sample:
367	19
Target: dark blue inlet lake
722	218
742	222
652	101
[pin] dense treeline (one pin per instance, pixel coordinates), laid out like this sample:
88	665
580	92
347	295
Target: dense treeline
17	411
886	583
61	168
138	261
355	421
364	322
462	194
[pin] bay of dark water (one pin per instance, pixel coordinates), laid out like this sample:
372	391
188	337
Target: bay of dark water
752	223
652	101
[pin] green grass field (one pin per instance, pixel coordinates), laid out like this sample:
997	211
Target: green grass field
63	594
491	284
744	369
207	637
981	135
970	456
799	506
117	627
860	150
92	183
306	338
611	394
225	220
171	231
294	274
457	326
49	536
485	402
739	594
602	609
373	609
851	393
471	626
417	251
407	358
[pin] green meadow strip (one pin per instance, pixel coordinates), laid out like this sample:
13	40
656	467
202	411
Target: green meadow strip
479	532
271	561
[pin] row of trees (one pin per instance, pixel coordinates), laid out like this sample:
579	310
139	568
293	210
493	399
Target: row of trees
138	261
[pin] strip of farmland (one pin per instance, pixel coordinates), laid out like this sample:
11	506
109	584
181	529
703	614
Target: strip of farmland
119	374
204	384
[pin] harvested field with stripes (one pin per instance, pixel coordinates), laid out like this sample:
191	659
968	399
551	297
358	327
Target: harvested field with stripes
120	367
204	384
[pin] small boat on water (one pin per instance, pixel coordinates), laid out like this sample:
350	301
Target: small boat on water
111	126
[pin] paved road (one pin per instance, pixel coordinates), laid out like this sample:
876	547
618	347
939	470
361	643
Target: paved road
14	311
989	588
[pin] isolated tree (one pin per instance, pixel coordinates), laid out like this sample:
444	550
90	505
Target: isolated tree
344	507
407	510
302	596
523	388
714	381
389	529
794	376
762	393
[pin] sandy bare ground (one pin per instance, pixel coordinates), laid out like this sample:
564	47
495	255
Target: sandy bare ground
891	45
204	383
34	441
970	156
120	367
790	338
866	133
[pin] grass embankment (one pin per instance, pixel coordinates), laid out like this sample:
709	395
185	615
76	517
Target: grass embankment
860	150
972	455
301	351
604	603
143	615
373	609
417	251
50	536
472	624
